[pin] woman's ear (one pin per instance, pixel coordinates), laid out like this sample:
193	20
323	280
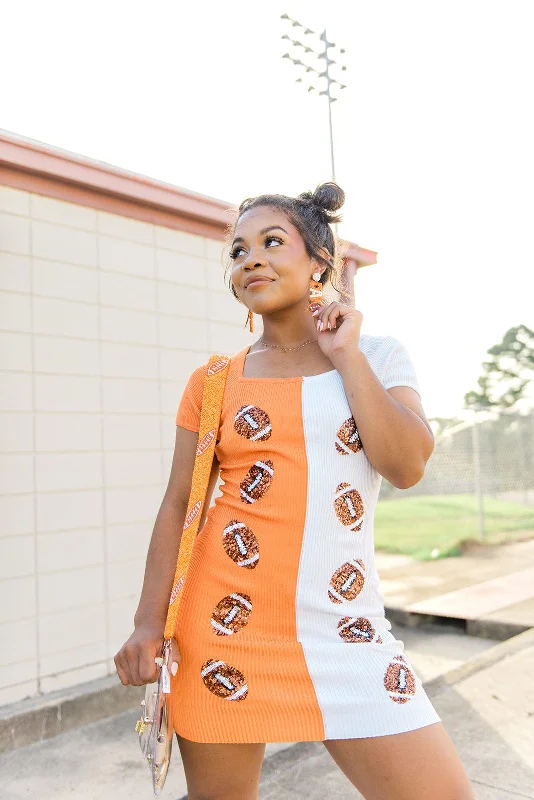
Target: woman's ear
327	257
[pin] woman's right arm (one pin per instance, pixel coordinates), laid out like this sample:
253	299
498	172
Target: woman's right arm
135	660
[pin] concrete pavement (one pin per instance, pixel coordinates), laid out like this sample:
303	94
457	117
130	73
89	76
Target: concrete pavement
102	761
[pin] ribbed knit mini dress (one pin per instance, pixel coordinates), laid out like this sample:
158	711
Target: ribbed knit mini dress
281	625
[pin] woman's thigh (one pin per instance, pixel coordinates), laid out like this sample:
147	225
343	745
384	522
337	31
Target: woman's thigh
221	771
417	765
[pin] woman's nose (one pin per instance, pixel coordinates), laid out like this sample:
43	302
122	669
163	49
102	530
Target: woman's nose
253	261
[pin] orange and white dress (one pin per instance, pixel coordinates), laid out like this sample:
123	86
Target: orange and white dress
281	625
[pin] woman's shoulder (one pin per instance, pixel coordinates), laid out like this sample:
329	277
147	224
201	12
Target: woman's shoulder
390	361
378	347
198	374
195	381
190	406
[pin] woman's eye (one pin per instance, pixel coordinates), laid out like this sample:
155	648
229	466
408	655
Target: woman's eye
235	252
273	239
238	250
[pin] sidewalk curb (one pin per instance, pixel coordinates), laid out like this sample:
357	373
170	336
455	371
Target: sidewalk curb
499	630
482	661
39	718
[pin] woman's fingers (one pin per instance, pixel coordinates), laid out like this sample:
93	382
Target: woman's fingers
132	657
136	666
135	660
330	319
123	668
121	672
335	317
146	666
327	317
320	319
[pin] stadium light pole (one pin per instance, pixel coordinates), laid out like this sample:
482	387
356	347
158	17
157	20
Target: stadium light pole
323	72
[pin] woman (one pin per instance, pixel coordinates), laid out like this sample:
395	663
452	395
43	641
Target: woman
281	633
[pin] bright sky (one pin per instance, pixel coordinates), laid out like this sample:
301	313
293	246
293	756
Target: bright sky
434	138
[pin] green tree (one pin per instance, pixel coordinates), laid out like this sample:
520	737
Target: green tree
506	375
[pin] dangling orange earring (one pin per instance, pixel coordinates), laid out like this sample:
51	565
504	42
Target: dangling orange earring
250	321
316	292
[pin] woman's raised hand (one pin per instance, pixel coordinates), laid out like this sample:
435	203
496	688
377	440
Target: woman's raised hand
339	329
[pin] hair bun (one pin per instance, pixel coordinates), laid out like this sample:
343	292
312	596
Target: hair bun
327	199
329	196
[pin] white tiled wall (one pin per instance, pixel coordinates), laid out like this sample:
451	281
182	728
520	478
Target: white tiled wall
102	319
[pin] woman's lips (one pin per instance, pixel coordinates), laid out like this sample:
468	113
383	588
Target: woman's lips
258	282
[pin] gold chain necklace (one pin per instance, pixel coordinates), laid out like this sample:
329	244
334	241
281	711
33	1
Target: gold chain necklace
287	349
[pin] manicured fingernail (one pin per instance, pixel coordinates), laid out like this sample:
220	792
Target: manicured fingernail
174	667
319	326
329	326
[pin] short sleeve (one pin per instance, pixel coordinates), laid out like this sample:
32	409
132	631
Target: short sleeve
188	414
399	369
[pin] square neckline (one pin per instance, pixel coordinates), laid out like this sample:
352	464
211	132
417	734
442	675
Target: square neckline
241	367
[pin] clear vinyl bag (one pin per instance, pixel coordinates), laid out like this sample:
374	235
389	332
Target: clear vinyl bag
155	725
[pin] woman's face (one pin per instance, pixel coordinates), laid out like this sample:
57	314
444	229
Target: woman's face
271	268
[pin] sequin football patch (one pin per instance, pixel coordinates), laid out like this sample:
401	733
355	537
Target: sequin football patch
241	545
231	614
253	423
399	680
347	581
348	506
356	630
256	482
348	439
223	680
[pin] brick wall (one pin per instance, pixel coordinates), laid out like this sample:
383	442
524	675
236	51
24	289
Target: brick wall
102	319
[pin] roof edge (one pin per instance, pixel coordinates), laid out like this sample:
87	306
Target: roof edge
41	168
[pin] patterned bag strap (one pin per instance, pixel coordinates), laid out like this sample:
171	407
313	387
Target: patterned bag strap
210	416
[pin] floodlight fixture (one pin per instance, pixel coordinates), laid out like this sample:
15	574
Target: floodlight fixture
328	63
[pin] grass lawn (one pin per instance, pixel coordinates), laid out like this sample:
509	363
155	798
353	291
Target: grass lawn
437	526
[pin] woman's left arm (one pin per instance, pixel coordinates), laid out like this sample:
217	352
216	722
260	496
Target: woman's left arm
392	425
391	422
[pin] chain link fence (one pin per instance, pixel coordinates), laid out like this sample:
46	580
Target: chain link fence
478	485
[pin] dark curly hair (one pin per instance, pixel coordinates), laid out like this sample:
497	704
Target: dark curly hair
312	214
